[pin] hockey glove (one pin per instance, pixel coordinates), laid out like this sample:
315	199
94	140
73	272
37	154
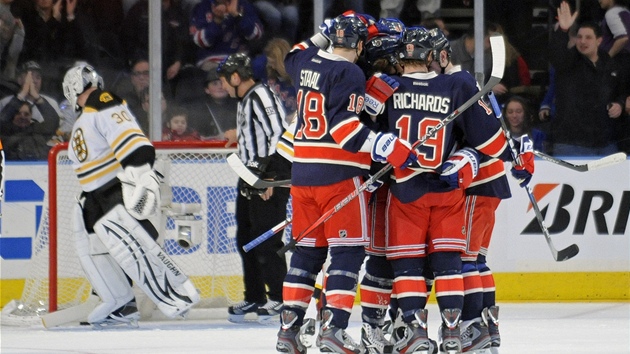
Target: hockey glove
388	148
461	168
140	190
322	39
523	168
378	89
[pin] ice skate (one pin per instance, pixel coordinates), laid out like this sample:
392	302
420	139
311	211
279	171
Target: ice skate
413	338
127	315
491	316
373	340
475	338
270	312
236	313
289	334
333	339
450	341
307	332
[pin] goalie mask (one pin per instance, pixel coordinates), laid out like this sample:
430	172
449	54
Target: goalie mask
416	44
78	79
238	62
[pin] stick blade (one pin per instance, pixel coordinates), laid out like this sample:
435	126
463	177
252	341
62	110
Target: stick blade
498	56
607	161
73	314
567	253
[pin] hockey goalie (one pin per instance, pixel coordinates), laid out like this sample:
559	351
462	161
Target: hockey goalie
114	238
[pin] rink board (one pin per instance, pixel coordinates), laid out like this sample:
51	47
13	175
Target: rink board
589	209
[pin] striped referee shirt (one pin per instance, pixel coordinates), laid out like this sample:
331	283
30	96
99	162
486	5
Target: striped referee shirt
260	123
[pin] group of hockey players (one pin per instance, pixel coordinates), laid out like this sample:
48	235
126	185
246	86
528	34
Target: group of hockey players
427	225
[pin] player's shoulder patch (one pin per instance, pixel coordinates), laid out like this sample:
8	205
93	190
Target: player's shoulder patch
100	100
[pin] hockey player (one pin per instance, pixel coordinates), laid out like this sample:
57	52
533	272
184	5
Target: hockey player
426	205
260	118
381	51
332	151
488	188
113	161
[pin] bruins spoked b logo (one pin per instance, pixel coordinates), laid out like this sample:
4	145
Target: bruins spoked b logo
78	145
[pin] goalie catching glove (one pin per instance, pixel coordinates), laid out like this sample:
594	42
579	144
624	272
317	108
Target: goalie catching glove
523	168
461	168
378	89
388	148
140	190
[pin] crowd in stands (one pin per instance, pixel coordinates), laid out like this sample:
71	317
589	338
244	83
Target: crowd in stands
41	39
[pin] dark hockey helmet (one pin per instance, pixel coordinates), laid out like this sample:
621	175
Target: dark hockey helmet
383	46
348	31
390	26
440	42
416	44
237	62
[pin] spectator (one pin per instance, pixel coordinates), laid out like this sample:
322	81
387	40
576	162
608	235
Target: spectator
615	28
132	89
176	127
269	68
51	38
519	118
279	17
222	27
135	36
588	97
215	113
22	137
11	40
463	51
144	118
30	82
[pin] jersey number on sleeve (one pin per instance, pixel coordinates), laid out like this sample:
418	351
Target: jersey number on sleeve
315	124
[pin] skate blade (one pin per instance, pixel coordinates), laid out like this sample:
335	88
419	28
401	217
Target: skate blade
269	320
482	351
114	324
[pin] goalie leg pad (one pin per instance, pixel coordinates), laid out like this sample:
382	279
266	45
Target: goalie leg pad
146	263
104	274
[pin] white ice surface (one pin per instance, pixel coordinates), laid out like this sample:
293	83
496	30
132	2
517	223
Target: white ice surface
557	328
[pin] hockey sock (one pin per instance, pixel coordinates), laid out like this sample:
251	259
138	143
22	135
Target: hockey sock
341	284
376	288
449	283
473	291
487	281
299	284
409	286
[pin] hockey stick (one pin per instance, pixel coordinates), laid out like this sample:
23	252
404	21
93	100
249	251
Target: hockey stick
561	255
71	314
590	166
249	177
262	238
498	66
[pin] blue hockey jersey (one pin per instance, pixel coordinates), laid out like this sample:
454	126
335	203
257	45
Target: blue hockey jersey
421	102
330	96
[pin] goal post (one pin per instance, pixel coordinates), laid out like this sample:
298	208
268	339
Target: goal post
197	228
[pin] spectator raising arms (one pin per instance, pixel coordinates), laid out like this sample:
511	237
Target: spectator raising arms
222	27
588	97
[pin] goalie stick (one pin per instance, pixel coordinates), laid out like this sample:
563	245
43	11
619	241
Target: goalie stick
590	166
72	314
250	177
558	255
498	66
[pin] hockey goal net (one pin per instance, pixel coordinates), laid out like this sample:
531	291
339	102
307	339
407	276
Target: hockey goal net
198	195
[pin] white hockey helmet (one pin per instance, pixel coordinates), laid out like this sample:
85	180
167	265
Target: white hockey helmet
78	79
